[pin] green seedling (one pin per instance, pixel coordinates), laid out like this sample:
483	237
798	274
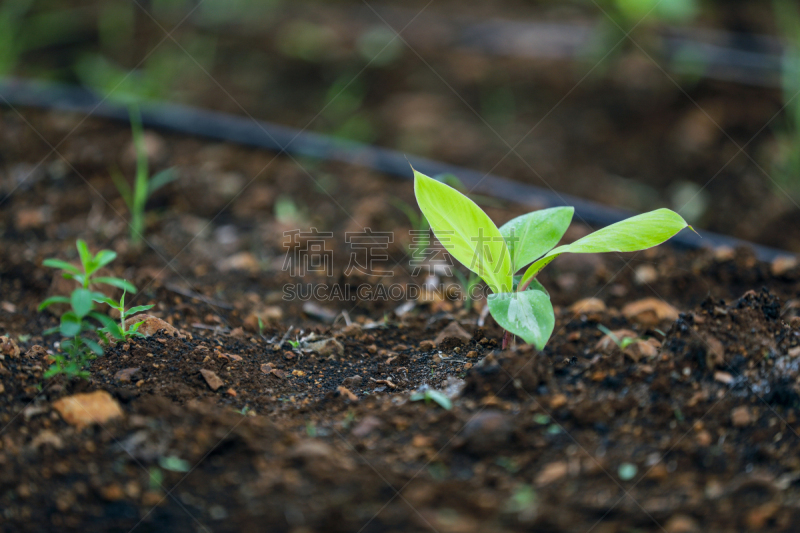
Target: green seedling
144	186
621	343
433	396
78	350
115	331
520	304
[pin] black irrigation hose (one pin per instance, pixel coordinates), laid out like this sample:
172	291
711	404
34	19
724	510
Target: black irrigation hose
248	132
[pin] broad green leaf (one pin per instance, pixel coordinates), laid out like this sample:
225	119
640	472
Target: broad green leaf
465	231
531	236
528	314
86	256
116	282
631	235
53	300
62	265
81	301
104	257
70	324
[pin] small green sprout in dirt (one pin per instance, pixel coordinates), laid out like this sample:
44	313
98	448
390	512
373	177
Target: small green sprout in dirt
520	304
77	348
120	331
144	186
621	343
431	395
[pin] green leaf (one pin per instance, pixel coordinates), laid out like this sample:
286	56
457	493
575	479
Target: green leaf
108	323
531	236
160	179
631	235
465	231
50	331
138	309
104	257
62	265
116	282
70	324
93	346
81	301
53	300
123	188
528	314
433	395
99	297
86	256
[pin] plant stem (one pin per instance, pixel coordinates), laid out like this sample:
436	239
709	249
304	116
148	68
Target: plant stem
506	340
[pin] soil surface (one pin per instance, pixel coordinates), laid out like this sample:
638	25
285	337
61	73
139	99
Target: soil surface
306	423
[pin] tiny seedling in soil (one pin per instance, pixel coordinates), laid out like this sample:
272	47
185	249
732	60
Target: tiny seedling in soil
433	396
520	304
78	350
144	186
119	331
621	343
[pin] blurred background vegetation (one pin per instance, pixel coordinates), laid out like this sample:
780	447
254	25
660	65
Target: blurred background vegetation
637	103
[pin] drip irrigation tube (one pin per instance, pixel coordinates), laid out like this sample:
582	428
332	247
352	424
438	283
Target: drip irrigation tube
249	132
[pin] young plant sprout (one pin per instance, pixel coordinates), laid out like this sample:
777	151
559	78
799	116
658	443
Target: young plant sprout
144	186
520	304
431	395
77	347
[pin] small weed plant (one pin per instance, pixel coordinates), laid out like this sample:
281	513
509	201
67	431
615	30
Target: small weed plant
144	185
520	304
75	324
430	395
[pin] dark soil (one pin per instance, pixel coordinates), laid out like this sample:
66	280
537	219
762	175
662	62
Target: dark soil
690	428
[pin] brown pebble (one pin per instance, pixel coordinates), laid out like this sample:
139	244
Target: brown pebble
352	382
783	265
550	473
212	379
650	312
472	354
344	391
126	375
453	329
587	305
680	523
741	416
231	392
487	432
82	410
557	401
427	345
704	438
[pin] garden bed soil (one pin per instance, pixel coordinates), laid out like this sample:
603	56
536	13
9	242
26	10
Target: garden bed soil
221	427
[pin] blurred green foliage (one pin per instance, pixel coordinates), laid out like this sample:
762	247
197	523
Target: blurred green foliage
786	157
